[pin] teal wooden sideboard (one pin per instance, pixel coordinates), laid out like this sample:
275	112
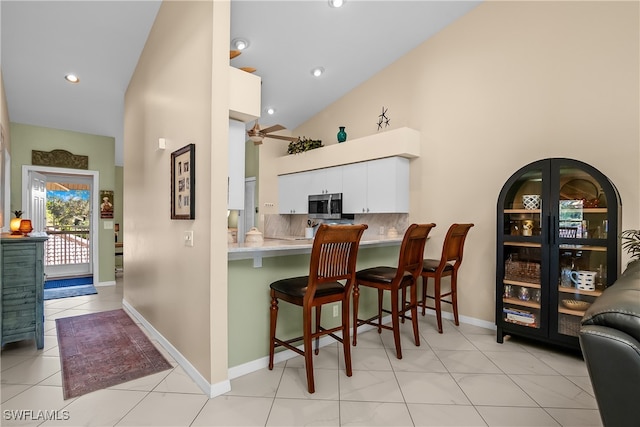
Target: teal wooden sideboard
22	289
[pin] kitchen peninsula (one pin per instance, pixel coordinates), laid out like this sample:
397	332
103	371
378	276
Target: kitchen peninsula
281	247
248	292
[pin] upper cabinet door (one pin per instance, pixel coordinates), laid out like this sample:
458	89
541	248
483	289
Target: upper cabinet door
293	194
388	185
354	188
236	165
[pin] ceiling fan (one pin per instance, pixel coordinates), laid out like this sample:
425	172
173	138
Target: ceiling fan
256	134
233	54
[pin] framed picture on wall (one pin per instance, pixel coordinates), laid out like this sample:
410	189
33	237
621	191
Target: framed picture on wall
106	204
183	180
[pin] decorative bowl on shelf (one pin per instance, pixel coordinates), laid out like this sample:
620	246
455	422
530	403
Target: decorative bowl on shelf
573	304
531	201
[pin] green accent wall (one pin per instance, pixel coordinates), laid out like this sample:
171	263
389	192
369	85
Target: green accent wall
250	300
101	152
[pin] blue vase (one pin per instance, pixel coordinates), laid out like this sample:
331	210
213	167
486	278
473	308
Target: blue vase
342	135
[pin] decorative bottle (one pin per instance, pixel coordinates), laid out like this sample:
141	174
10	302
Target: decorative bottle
342	135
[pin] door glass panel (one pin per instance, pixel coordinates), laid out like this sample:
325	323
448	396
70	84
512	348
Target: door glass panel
581	234
522	290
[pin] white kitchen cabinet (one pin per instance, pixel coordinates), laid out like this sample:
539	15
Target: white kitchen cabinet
325	181
354	188
235	192
293	193
376	186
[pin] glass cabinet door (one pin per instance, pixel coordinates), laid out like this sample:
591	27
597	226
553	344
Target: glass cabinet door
522	258
580	255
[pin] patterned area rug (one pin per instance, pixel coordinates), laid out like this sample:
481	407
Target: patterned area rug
103	349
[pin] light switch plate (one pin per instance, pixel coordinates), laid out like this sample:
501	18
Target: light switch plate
188	238
108	225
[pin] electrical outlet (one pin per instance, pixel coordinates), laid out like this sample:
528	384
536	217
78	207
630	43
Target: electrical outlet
336	310
381	231
188	238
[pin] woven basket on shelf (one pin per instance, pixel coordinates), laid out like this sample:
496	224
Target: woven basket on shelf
569	325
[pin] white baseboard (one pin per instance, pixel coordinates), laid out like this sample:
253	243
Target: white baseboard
211	390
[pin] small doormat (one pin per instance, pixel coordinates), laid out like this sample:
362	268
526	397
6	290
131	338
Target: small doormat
71	291
104	349
65	283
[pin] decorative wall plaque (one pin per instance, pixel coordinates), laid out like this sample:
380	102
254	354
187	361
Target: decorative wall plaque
60	159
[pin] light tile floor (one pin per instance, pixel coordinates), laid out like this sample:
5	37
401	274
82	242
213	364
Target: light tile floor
460	378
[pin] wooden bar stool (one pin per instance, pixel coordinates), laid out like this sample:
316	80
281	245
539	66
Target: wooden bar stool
447	265
395	279
333	258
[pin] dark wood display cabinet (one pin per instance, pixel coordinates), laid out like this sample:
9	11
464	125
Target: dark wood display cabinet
558	248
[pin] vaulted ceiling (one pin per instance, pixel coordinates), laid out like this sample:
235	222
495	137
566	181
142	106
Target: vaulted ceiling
101	41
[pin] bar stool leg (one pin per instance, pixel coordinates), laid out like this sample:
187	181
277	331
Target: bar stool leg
380	296
454	296
318	316
425	281
272	329
438	303
308	354
356	297
395	319
346	343
413	292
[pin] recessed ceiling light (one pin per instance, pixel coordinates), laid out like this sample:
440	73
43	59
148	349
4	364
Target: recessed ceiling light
72	78
336	3
317	71
240	44
270	110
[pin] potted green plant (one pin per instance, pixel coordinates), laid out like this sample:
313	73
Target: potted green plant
303	144
631	243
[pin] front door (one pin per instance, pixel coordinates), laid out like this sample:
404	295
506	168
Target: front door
60	202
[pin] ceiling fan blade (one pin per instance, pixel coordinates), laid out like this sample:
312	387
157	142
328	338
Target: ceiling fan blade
286	138
273	128
234	53
248	69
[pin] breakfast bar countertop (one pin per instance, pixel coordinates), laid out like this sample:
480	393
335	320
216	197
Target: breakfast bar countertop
282	247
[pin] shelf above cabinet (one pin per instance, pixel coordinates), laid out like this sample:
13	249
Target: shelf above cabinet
401	142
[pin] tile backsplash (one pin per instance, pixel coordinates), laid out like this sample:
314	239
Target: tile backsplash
293	225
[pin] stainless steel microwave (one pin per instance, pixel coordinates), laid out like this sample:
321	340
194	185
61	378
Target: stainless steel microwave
325	206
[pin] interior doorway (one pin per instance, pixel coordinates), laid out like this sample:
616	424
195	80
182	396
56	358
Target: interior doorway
63	203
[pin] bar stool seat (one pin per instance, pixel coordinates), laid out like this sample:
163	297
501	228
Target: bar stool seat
296	287
431	265
381	274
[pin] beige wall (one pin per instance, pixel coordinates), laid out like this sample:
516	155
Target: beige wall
505	85
180	290
101	152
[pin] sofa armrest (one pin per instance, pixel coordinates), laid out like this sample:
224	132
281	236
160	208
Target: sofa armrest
613	361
